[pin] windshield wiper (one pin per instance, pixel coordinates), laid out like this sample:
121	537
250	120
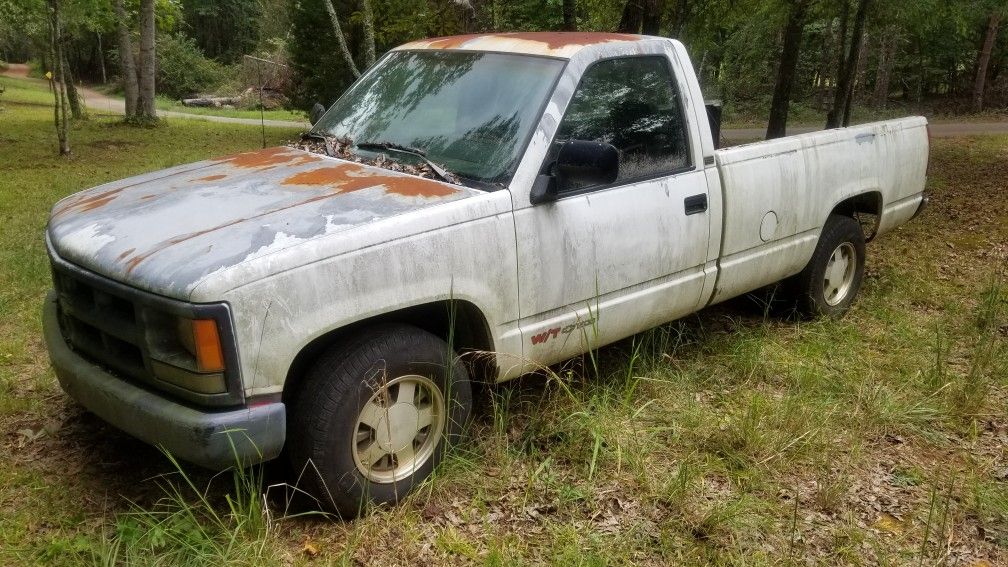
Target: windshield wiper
444	174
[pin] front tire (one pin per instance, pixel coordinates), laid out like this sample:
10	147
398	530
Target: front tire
374	417
831	280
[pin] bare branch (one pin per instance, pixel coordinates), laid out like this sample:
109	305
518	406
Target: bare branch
341	39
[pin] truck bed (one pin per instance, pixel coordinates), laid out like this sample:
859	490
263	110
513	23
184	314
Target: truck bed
777	194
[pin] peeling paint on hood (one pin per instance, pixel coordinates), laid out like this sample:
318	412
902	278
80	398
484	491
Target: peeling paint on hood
165	231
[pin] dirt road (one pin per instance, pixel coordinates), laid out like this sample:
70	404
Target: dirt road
102	102
98	101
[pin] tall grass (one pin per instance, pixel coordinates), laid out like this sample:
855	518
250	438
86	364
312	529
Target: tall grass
190	525
681	413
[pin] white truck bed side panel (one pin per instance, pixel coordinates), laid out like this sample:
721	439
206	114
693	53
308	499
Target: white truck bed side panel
778	194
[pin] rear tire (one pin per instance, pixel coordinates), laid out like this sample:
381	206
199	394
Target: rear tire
374	417
831	280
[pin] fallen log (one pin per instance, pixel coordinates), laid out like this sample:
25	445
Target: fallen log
211	101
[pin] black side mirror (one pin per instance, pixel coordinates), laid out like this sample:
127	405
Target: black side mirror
544	189
579	163
316	113
583	163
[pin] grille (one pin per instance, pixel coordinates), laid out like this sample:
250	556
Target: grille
133	334
102	326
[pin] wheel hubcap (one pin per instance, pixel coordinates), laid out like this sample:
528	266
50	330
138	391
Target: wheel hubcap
839	275
398	429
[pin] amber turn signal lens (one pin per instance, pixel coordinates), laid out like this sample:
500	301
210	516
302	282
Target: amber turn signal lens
209	356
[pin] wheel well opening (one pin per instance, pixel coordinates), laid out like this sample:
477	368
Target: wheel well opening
459	323
865	208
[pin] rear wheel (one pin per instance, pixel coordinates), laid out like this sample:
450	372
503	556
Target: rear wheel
375	416
831	280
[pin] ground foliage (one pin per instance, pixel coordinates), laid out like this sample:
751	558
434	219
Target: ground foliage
184	71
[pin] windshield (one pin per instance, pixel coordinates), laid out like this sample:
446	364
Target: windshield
469	111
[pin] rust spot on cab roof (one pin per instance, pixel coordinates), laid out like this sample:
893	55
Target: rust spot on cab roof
556	40
269	157
451	42
345	178
212	177
551	40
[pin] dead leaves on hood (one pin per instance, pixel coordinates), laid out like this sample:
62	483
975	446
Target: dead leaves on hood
341	148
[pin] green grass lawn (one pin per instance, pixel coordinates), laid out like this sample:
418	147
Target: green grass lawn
24	91
732	437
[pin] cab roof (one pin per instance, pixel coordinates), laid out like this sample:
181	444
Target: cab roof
553	44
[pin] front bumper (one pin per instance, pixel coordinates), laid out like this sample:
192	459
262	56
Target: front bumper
212	439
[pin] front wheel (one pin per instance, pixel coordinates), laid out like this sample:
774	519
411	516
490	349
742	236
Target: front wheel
374	417
831	280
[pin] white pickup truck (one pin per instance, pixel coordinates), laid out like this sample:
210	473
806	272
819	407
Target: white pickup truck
287	301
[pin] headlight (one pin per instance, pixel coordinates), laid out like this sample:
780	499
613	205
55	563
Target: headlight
199	365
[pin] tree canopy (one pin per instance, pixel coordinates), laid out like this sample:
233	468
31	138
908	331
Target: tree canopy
948	55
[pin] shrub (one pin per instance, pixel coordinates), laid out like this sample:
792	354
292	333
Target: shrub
36	68
183	70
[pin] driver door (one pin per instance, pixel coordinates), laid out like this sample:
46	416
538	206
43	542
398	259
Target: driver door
604	261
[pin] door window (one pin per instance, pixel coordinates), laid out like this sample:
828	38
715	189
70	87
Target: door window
633	104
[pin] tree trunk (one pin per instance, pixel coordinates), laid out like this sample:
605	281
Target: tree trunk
859	73
60	98
679	18
48	62
777	124
469	16
983	60
887	52
822	84
73	97
844	82
633	17
570	15
642	16
145	104
840	46
651	17
845	121
341	39
852	93
101	59
127	64
369	42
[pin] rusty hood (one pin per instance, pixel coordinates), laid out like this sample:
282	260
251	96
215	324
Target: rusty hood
165	231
